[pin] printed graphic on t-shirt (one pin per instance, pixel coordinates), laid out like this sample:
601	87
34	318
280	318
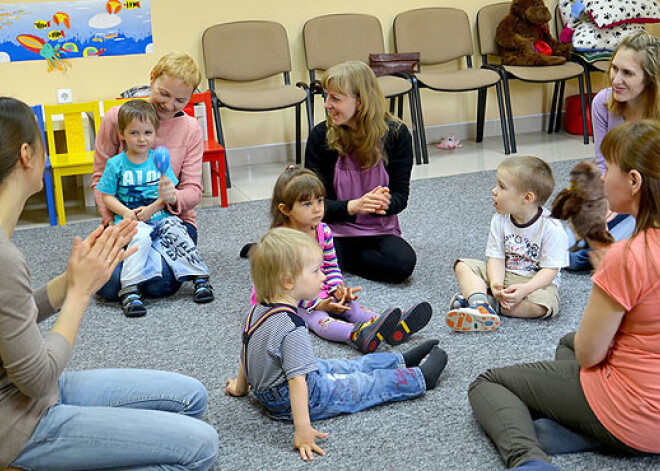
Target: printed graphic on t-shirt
521	254
139	188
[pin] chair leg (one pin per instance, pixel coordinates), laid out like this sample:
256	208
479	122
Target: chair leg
399	111
509	113
415	127
587	80
214	178
50	197
218	129
298	135
553	108
500	104
560	104
585	130
481	113
309	101
59	199
222	176
420	121
392	105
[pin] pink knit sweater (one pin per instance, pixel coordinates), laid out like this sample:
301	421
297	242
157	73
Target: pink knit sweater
183	138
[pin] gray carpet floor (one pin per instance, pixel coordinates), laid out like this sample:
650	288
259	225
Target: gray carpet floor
447	217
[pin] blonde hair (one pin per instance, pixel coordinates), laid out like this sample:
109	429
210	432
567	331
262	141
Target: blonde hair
356	79
530	174
649	46
294	184
636	146
180	66
140	110
280	254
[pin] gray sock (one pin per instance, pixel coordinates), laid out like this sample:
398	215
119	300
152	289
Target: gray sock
477	298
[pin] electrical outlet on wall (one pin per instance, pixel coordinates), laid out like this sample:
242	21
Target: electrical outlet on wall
64	95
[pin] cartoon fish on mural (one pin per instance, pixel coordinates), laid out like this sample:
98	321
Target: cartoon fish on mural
40	24
45	50
97	39
113	6
110	36
53	35
69	47
92	51
61	17
130	4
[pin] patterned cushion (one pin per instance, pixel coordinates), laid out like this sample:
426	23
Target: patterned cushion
608	13
588	37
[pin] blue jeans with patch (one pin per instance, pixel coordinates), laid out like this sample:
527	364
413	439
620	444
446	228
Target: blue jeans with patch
123	419
162	287
348	386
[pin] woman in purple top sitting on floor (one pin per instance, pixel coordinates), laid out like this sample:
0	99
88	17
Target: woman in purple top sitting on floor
633	95
363	156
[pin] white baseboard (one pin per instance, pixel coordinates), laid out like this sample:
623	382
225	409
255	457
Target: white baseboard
283	153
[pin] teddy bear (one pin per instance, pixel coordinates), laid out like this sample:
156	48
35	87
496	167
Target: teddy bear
584	205
524	38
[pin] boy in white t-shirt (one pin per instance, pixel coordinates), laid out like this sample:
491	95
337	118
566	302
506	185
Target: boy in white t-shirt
526	250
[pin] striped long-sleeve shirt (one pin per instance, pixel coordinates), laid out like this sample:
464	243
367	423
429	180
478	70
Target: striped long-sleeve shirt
330	265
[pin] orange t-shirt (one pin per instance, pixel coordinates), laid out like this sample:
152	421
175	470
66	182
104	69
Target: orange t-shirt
624	389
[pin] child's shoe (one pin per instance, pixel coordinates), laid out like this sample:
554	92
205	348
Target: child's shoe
132	305
203	291
413	320
367	336
479	318
457	302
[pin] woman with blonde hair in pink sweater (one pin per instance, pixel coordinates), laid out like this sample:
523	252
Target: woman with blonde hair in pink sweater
174	78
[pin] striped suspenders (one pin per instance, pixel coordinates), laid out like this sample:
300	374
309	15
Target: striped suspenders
249	331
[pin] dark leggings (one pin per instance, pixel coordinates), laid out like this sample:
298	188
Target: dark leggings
156	288
380	258
506	400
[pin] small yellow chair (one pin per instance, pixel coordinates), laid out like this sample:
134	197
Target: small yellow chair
76	159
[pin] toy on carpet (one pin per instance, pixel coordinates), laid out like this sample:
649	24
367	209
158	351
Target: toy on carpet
524	38
584	205
162	159
450	142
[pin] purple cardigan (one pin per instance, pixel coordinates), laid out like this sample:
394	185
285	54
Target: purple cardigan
603	121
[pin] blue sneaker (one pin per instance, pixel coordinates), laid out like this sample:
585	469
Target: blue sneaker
458	301
132	305
479	318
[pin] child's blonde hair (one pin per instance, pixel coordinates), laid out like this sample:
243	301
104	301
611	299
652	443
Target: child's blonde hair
294	184
280	254
141	110
530	174
180	66
356	79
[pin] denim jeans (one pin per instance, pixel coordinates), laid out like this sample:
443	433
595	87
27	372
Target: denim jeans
621	227
155	288
348	386
123	419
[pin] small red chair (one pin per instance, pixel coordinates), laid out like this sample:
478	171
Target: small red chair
214	153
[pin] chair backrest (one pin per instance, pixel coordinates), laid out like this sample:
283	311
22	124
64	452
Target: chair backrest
488	18
333	39
73	126
204	97
438	34
246	50
107	104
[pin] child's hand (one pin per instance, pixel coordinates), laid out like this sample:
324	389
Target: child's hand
129	214
166	190
304	440
344	294
514	294
497	290
232	389
328	305
145	213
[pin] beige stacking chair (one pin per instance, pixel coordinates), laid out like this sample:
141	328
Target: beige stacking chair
249	51
442	35
488	18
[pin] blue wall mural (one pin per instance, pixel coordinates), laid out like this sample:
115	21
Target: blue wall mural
58	31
